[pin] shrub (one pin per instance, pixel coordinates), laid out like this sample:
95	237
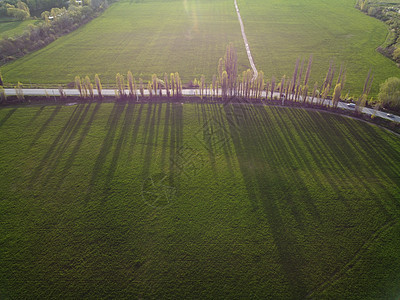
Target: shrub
389	94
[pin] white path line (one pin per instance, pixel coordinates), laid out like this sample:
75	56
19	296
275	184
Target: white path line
246	44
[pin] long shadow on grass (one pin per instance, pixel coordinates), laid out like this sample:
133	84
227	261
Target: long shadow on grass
124	132
344	153
45	124
176	143
267	186
7	116
68	137
68	164
135	131
150	132
106	146
38	113
165	138
42	166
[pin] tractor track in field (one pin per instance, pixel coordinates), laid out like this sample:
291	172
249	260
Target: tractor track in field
246	43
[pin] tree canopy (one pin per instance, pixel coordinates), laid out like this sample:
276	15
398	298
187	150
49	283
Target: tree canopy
389	94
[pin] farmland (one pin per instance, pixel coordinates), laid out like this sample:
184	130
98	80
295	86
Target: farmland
189	37
181	200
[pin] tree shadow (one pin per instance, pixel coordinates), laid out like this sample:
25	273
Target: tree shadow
51	152
264	189
67	139
121	139
7	116
69	162
46	124
38	113
106	146
135	131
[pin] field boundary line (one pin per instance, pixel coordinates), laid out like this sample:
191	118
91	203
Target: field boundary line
246	43
353	261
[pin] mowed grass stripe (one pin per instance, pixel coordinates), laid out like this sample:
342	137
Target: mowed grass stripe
262	201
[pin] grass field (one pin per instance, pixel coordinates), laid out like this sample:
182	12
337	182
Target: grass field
190	36
196	200
10	28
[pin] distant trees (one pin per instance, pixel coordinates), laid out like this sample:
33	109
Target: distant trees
37	36
389	93
20	11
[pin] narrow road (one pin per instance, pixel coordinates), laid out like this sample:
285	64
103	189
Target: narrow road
246	43
187	92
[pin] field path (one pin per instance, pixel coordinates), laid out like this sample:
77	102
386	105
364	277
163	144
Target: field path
246	43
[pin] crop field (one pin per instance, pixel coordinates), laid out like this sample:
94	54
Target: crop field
190	36
10	28
171	200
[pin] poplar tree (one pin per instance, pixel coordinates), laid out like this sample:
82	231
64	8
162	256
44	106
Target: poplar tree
150	89
19	92
1	80
78	85
366	89
89	86
3	96
141	88
131	84
214	84
224	85
336	95
155	83
231	67
166	85
172	76
272	88
315	92
61	91
281	89
178	85
98	85
308	72
202	84
120	85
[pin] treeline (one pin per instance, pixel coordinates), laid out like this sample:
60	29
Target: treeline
33	5
228	84
57	22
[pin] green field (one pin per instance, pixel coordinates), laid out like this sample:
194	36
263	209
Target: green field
190	36
125	200
10	28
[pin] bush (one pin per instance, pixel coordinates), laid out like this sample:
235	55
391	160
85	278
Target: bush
389	93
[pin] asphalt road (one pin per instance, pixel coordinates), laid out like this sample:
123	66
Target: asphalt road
186	92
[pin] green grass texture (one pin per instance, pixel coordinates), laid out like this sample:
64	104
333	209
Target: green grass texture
171	200
190	36
9	27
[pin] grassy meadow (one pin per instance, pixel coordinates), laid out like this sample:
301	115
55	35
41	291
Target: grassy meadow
190	36
173	200
10	27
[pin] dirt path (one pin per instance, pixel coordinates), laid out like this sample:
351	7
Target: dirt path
246	43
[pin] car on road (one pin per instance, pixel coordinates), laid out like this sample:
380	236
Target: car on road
351	105
389	116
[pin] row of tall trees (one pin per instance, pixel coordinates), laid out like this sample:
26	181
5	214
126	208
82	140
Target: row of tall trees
132	89
229	84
